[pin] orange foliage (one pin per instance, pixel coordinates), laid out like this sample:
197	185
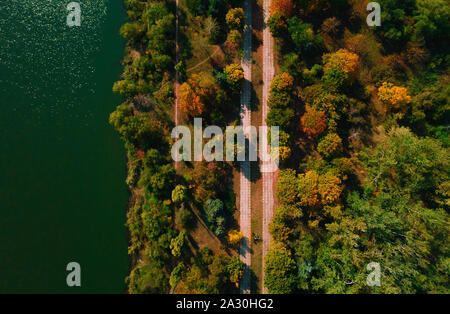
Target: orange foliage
195	92
308	189
314	122
284	7
330	188
189	101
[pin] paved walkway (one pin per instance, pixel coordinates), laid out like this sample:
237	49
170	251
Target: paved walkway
267	177
245	115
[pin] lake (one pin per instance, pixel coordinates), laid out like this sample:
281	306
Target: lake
62	166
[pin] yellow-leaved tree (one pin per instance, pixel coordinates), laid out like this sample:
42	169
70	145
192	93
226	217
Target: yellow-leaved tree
394	96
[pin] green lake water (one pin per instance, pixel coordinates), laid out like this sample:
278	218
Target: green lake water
62	166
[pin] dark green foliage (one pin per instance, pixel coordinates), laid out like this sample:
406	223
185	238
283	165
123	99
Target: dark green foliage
280	117
215	216
278	25
303	36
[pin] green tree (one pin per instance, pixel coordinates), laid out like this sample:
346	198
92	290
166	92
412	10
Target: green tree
176	244
279	270
235	269
179	194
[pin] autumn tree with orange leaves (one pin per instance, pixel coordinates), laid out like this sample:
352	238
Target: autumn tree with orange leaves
196	93
283	7
314	122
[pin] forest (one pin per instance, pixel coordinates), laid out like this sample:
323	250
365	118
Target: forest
364	163
365	177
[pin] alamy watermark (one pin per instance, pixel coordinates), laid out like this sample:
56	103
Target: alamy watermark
244	148
374	277
73	279
74	16
374	18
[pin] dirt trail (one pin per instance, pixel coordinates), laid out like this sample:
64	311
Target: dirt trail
267	177
245	115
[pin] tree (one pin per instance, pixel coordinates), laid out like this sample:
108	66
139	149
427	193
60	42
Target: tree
234	38
126	88
234	237
214	215
279	270
176	275
282	85
132	32
404	162
280	117
342	59
183	218
314	122
176	244
302	35
210	179
329	188
179	194
394	96
235	269
190	102
277	24
287	187
396	26
307	189
284	151
330	145
235	19
340	68
284	7
279	227
133	128
432	18
197	92
234	76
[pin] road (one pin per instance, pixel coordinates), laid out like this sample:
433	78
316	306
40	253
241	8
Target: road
245	115
267	177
